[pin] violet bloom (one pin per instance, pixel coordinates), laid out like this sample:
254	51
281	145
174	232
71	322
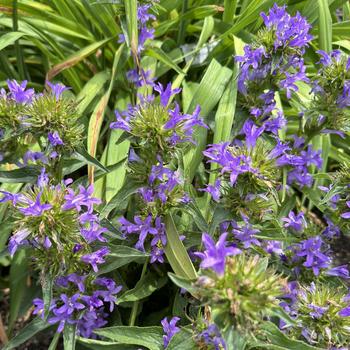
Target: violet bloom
140	227
296	222
166	93
169	329
212	336
82	199
19	93
346	215
312	249
251	132
214	256
122	121
339	271
43	178
54	139
35	208
70	304
317	311
57	89
290	31
93	232
108	295
345	312
95	258
78	280
18	239
214	190
245	233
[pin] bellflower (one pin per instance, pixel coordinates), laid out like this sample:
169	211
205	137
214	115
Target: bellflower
95	258
215	254
19	93
170	329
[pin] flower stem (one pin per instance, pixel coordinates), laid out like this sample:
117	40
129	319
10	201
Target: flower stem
135	306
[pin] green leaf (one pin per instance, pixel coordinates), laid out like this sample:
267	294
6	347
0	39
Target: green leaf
176	252
85	157
97	116
131	20
119	200
47	285
324	26
182	340
161	56
34	327
94	344
214	80
18	285
184	283
54	341
119	256
276	337
69	336
149	337
23	175
75	58
143	288
9	38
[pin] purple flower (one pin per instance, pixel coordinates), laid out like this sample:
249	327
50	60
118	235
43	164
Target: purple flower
311	157
55	139
312	249
290	31
169	329
122	122
19	93
18	239
274	247
296	222
166	93
82	199
344	312
215	254
108	295
70	304
94	232
95	258
339	271
245	233
212	336
214	190
43	178
317	311
78	280
252	132
346	215
35	208
143	15
57	89
140	227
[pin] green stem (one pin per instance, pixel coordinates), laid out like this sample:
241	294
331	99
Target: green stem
135	306
54	341
181	35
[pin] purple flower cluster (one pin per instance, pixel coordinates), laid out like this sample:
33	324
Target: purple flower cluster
172	125
212	337
79	297
83	308
143	228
